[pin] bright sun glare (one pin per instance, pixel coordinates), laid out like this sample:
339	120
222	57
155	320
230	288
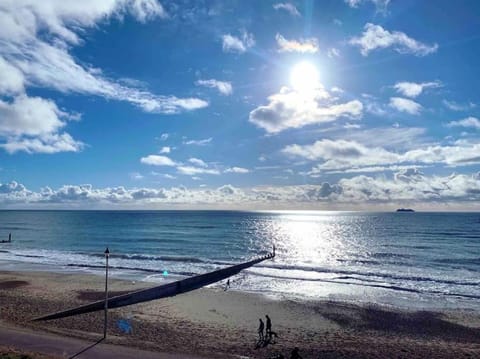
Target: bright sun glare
304	77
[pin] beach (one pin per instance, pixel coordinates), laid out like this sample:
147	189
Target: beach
211	322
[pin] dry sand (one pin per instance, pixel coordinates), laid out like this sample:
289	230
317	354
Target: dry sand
223	324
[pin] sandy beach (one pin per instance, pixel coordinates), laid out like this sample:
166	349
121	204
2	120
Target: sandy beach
223	324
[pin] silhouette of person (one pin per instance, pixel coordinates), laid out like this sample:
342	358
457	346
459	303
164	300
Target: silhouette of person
268	331
260	329
227	285
9	237
295	354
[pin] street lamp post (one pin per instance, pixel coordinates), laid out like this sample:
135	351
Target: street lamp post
107	253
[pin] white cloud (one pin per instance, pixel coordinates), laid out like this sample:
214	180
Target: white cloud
165	149
11	78
237	170
45	60
376	37
405	105
454	106
291	109
203	142
164	136
32	124
302	46
343	154
241	44
35	42
136	176
349	125
333	52
45	143
290	8
30	116
471	122
412	89
190	170
197	162
400	138
224	87
380	5
461	191
156	160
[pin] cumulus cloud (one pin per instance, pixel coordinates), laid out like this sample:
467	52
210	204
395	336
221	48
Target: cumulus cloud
47	143
413	89
405	105
30	116
197	162
302	46
237	170
31	124
191	170
240	44
156	160
291	109
224	87
461	190
290	8
192	167
471	122
376	37
12	79
165	149
348	155
36	40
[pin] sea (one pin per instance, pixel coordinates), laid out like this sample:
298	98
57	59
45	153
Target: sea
410	260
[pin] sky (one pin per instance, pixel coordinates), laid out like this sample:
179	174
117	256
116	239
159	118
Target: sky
252	105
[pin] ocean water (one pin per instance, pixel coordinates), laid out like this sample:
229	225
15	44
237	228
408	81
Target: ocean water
419	260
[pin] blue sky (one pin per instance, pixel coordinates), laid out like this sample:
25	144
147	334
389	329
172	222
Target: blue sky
355	104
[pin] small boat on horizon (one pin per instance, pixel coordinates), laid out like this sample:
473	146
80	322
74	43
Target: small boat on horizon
405	210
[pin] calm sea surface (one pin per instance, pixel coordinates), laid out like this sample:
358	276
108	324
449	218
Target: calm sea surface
403	259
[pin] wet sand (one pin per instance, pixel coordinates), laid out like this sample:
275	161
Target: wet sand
223	324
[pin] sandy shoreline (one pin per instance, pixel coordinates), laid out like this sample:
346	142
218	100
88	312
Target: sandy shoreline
215	323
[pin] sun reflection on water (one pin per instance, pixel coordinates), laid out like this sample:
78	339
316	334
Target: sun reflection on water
312	239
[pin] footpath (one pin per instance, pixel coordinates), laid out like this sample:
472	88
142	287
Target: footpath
64	347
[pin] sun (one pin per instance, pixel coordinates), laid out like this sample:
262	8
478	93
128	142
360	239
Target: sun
304	77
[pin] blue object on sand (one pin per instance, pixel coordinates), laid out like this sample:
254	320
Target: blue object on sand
125	326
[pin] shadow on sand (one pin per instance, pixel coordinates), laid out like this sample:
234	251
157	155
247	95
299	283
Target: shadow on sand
262	343
422	324
87	348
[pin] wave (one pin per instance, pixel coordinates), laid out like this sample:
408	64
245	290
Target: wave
146	257
139	269
384	286
370	274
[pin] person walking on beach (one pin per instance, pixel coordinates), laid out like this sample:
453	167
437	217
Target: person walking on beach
268	332
260	329
227	286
